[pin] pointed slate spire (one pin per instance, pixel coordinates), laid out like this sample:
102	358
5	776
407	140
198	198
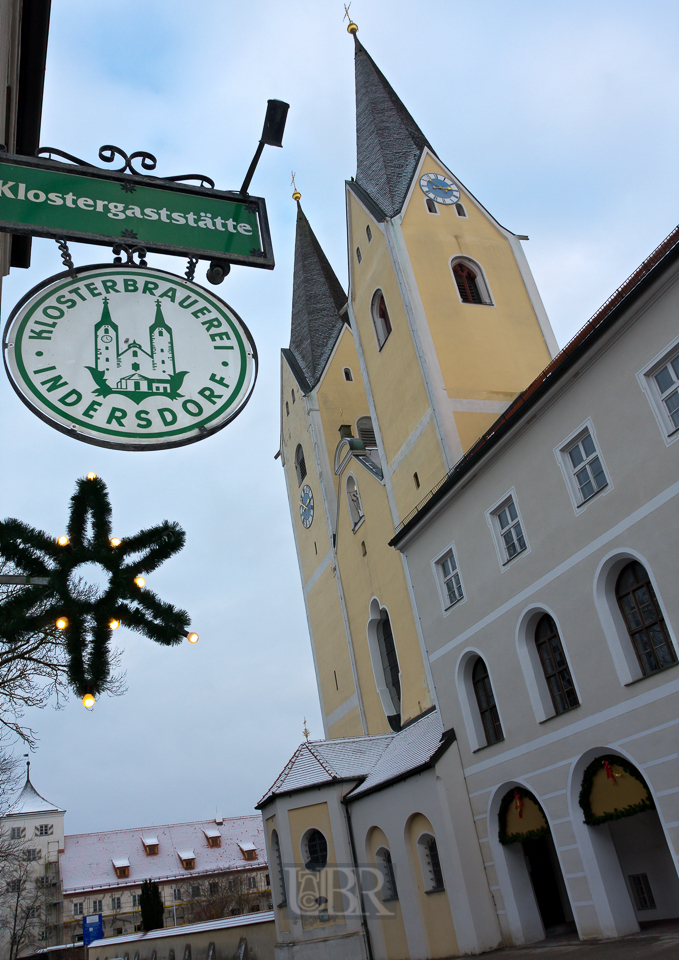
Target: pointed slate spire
317	298
388	141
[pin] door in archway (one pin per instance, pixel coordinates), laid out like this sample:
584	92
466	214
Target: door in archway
543	876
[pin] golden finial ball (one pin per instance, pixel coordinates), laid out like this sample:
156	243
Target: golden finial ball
352	28
297	195
91	476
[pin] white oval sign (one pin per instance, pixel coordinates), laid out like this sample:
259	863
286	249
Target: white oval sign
129	357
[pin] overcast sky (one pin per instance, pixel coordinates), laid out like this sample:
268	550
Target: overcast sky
560	117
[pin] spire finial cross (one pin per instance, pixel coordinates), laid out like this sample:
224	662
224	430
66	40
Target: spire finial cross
351	26
296	195
307	733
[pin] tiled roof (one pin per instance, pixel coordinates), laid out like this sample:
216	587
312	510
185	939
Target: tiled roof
372	760
317	298
30	801
412	748
88	858
186	930
389	143
664	255
322	761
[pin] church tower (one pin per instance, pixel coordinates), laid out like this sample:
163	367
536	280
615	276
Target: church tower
162	344
383	390
106	342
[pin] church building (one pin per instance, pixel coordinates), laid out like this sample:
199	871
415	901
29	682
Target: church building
497	675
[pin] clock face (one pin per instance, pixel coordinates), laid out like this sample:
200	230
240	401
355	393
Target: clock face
106	339
439	188
306	506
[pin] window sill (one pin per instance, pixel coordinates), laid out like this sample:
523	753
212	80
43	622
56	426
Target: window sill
655	673
357	525
562	714
593	495
485	746
435	890
516	555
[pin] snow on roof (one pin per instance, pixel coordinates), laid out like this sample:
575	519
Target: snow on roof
86	863
30	801
245	846
212	832
120	862
370	760
187	854
149	840
188	929
410	749
322	761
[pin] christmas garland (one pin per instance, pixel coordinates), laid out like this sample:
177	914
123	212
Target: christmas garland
518	795
87	620
595	766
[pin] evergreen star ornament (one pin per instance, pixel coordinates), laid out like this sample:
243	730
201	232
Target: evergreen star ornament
87	618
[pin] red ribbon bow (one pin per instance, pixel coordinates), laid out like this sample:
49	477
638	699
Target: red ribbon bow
609	771
518	803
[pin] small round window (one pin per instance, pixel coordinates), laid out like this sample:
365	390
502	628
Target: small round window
315	851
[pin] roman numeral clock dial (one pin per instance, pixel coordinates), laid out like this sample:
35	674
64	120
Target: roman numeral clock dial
439	188
306	506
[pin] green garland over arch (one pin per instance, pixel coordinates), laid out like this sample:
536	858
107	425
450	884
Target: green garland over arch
509	798
586	791
88	622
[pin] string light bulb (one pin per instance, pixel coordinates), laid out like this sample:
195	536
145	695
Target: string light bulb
191	637
63	540
61	623
139	581
88	701
114	624
91	476
114	541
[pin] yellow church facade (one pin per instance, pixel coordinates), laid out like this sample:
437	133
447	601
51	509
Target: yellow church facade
433	439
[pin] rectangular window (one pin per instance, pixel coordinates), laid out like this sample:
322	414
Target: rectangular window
115	903
97	906
588	472
32	854
177	894
78	909
136	900
667	382
511	533
641	888
450	578
44	830
15	833
214	888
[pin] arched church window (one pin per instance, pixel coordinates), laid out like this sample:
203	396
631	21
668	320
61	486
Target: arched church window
354	501
467	287
387	648
431	206
315	849
643	618
368	233
380	317
431	863
460	210
300	464
366	432
554	665
278	869
348	375
293	395
384	862
485	699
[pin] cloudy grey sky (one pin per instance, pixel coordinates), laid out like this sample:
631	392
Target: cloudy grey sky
560	117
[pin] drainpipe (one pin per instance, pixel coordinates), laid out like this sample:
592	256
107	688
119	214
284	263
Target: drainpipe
352	845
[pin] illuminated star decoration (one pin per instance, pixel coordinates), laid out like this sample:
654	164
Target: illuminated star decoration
87	622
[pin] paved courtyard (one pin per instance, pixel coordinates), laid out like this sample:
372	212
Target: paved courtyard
660	941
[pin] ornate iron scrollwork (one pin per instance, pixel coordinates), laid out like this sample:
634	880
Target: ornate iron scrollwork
108	154
130	252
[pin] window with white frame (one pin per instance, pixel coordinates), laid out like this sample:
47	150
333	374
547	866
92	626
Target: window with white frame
44	830
78	908
586	467
354	501
136	900
386	868
97	906
470	281
667	384
115	903
15	833
510	531
32	854
380	317
300	464
450	579
430	863
177	894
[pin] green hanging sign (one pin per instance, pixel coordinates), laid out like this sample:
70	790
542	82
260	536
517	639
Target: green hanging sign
41	198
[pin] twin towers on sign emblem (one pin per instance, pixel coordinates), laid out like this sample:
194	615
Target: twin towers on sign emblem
135	372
